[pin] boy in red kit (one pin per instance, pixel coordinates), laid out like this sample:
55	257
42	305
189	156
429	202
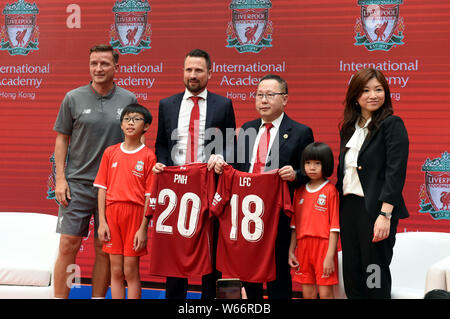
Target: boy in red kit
124	182
315	225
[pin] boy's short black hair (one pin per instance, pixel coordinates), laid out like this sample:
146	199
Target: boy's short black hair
137	108
319	151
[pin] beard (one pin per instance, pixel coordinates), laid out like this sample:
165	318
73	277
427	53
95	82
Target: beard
194	87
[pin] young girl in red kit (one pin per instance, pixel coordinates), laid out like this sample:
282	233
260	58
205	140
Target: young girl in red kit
315	225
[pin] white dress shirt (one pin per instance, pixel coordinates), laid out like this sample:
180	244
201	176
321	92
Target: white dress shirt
184	117
262	130
351	183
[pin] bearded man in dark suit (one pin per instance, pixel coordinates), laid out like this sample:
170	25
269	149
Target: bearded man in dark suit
215	127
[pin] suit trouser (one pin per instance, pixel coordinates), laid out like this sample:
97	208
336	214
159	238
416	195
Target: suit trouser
365	264
281	287
176	287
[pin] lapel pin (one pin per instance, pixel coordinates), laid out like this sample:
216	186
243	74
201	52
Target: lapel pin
285	136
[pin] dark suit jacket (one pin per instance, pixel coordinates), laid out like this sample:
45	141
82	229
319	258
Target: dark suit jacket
219	114
287	148
382	163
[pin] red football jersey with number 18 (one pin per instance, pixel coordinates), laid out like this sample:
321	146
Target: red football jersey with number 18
248	207
181	239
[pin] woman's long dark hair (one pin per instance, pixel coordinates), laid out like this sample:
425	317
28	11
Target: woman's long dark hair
352	110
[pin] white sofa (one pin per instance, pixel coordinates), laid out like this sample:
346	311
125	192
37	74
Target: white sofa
438	275
415	253
28	250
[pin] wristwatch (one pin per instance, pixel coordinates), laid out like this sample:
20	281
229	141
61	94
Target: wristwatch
387	215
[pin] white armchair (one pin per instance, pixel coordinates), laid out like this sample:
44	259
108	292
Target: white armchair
414	254
28	250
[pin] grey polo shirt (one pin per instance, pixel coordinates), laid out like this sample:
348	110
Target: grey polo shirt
93	123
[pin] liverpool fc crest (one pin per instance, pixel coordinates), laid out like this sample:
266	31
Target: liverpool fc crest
322	200
435	193
380	26
130	32
250	29
20	30
139	166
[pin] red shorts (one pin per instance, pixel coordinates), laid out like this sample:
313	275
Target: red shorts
311	252
124	220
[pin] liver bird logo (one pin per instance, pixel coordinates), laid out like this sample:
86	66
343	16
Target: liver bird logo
445	200
20	35
131	35
250	33
379	31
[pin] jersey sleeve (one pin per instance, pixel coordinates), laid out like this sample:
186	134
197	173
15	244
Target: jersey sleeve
285	197
153	195
149	176
293	221
210	186
101	180
223	191
334	209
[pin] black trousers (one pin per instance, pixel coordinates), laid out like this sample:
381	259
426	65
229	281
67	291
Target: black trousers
176	288
365	264
281	287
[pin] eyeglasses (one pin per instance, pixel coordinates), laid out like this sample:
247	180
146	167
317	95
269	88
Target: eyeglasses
269	96
132	119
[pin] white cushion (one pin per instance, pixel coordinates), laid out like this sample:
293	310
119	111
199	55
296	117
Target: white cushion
28	248
414	253
26	292
406	293
24	276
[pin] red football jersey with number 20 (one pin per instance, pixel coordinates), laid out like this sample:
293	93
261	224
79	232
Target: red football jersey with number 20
248	207
180	243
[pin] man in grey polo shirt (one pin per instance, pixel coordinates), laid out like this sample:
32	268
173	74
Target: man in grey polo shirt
87	123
